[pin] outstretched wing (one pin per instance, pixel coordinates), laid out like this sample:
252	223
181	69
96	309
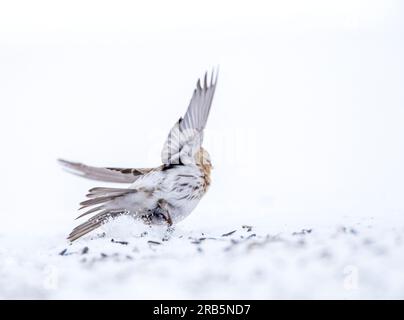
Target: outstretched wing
185	138
119	175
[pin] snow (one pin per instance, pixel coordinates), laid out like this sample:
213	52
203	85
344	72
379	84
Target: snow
305	133
128	260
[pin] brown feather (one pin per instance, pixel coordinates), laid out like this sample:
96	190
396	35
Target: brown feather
90	211
118	175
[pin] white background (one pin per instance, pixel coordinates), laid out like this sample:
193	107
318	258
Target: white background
306	124
307	119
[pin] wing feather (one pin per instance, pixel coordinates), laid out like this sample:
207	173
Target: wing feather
118	175
186	136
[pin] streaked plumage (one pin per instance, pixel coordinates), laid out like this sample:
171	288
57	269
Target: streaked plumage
161	195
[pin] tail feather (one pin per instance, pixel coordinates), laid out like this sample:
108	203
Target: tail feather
76	234
98	200
100	196
99	191
93	223
83	230
95	209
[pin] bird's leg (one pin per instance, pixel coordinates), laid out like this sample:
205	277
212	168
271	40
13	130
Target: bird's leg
162	210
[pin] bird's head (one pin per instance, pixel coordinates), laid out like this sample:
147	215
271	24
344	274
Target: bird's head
202	158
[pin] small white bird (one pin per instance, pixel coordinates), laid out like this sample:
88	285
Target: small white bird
162	195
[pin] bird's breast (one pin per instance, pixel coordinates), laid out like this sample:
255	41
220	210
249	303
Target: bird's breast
183	188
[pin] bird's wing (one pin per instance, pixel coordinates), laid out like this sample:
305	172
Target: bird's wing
119	175
186	136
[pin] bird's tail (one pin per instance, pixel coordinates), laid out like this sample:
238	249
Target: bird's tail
102	198
93	223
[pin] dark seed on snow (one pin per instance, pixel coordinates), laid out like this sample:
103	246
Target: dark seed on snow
120	242
302	232
85	250
153	242
63	252
103	255
229	233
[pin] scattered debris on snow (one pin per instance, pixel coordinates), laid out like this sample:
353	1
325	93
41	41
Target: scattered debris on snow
349	261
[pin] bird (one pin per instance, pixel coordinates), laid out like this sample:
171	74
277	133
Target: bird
162	195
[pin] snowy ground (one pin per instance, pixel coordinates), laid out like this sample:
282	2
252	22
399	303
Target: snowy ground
361	259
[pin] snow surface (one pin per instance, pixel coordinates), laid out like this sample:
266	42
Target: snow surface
127	260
